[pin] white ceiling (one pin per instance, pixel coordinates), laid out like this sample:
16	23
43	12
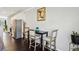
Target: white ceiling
8	11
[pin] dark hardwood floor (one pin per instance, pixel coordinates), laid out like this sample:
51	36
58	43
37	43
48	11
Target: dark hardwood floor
11	44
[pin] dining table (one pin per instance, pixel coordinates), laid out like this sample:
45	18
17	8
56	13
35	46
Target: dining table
41	33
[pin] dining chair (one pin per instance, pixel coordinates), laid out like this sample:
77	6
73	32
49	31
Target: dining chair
50	41
34	39
25	32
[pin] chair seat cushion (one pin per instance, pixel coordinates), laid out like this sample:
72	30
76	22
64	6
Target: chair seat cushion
35	36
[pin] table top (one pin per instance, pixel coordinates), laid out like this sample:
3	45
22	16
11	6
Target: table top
40	32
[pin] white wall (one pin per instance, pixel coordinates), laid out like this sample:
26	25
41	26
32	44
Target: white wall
1	33
1	38
66	19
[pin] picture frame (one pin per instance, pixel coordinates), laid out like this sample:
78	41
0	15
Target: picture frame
41	14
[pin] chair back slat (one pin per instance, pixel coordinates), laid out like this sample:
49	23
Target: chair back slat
32	32
54	33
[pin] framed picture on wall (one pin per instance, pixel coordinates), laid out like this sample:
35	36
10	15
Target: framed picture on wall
41	14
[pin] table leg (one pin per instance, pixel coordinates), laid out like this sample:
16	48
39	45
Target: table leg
28	38
41	42
46	34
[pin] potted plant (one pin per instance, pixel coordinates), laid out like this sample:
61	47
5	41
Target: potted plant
5	26
75	38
